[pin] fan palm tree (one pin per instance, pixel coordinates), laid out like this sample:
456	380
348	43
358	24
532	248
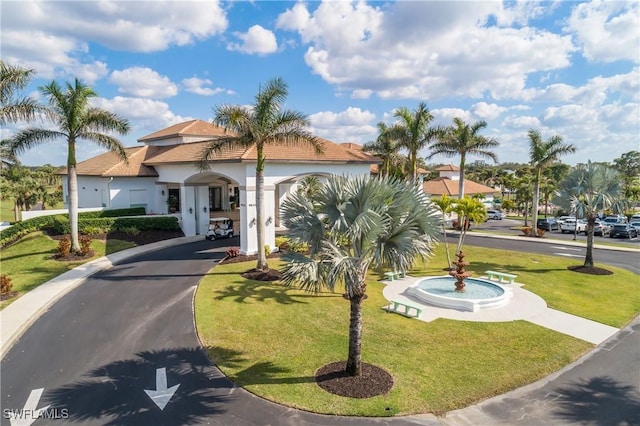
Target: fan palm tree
387	148
262	124
445	205
463	139
14	79
412	131
351	225
76	120
587	190
542	155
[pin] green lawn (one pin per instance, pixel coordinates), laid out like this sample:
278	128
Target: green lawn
30	262
271	339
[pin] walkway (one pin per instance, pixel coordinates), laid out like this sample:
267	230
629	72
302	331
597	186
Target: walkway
524	305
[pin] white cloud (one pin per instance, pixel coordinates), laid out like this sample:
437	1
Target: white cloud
522	122
487	111
145	114
198	86
607	30
446	115
425	50
350	125
257	40
143	82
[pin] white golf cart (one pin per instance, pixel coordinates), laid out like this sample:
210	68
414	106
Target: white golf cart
219	227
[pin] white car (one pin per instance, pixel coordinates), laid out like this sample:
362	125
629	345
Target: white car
635	224
573	225
495	215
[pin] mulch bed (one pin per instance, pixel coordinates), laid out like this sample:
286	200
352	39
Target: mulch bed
9	295
372	382
591	270
254	274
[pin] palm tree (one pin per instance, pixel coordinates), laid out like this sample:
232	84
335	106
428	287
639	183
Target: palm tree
589	189
412	132
445	205
385	147
468	210
262	124
351	225
309	186
13	108
524	193
543	154
463	139
69	110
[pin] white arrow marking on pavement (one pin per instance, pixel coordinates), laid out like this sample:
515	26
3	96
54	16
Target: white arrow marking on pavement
162	394
569	255
567	248
30	412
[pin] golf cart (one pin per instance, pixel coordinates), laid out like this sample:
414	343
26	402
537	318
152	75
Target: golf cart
219	227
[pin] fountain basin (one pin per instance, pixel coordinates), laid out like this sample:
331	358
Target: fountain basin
479	294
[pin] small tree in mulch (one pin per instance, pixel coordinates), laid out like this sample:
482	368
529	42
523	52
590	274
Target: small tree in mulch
64	247
6	287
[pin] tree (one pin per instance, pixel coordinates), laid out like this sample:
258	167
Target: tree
309	186
387	148
13	108
69	110
542	154
468	210
18	184
445	205
629	167
351	225
587	190
412	132
463	139
262	124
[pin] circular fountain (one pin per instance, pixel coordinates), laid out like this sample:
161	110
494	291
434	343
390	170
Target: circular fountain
478	294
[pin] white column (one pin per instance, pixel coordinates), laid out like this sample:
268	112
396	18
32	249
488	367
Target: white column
248	229
270	216
187	205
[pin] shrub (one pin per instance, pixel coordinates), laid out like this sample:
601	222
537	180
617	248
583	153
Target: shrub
64	247
5	284
85	245
233	252
282	242
130	230
298	246
267	249
94	230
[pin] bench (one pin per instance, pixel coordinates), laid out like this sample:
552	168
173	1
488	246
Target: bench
393	275
501	277
405	309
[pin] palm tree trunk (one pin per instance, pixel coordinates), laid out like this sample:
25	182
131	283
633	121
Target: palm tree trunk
588	259
262	257
536	201
444	239
354	360
73	207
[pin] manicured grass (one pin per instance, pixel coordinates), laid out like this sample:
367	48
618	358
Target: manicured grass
30	262
271	340
609	299
6	211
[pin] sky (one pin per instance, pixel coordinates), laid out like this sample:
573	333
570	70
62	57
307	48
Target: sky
566	68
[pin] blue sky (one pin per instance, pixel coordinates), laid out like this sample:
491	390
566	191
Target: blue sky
563	68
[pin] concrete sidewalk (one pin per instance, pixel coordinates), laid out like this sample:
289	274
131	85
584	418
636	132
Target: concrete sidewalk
524	305
16	318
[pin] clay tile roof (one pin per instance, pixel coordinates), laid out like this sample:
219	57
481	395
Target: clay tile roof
448	168
443	185
187	128
110	165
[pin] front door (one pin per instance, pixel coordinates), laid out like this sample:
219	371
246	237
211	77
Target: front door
215	198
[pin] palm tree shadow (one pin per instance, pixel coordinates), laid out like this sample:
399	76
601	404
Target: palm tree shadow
244	289
600	400
115	393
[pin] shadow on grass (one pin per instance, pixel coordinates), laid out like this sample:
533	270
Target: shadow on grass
243	290
260	373
599	400
115	393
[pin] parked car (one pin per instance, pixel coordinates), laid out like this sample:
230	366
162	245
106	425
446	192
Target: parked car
635	217
612	220
601	228
548	224
623	230
636	224
495	215
561	219
574	226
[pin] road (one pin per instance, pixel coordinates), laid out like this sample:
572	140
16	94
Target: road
122	349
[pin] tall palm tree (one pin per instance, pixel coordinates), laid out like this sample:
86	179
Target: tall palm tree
524	191
463	139
262	124
542	155
75	120
351	225
14	79
412	131
589	189
445	205
387	148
